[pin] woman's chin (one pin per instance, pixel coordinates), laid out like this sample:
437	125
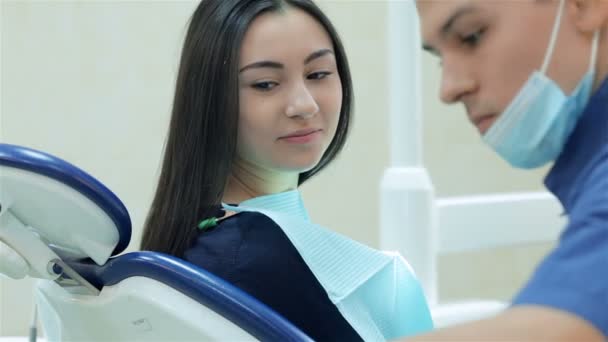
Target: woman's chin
299	166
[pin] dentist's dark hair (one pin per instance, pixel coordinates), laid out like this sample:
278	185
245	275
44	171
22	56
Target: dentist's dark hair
201	141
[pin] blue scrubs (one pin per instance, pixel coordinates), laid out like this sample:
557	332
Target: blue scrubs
574	277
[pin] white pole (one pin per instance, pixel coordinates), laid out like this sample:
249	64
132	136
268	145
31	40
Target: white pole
404	84
407	200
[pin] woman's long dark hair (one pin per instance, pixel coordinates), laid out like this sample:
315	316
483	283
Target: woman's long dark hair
201	143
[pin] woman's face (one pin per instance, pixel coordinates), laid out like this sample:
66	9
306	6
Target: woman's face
290	92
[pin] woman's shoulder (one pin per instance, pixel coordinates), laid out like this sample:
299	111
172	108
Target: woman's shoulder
252	252
244	241
239	228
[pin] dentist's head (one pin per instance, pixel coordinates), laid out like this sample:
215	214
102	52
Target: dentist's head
524	70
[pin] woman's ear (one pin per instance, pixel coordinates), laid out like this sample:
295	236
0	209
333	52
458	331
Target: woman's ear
589	15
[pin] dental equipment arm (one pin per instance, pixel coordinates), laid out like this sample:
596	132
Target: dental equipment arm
12	264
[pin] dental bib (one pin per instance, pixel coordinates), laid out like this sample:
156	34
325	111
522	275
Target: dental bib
376	292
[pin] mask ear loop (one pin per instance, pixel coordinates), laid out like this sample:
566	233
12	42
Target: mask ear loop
594	47
554	34
494	134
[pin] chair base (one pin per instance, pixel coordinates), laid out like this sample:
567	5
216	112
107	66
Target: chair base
136	309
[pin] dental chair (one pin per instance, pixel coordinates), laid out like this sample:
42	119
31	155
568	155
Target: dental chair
72	229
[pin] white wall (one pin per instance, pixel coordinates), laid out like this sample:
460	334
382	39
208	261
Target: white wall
92	82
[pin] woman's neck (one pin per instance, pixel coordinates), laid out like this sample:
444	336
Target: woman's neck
248	180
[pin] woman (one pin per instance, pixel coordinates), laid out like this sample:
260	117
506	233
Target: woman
263	102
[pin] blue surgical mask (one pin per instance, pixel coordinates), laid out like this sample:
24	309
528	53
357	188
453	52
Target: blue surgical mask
536	125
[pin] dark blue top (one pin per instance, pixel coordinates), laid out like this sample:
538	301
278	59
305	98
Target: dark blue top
251	251
574	277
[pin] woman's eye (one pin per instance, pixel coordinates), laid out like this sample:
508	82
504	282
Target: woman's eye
473	38
318	75
264	86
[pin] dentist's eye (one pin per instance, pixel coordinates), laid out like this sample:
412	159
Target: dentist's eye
473	39
318	75
264	86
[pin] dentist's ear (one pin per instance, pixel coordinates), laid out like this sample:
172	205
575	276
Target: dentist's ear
589	15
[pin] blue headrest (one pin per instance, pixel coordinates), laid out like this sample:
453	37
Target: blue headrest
47	165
